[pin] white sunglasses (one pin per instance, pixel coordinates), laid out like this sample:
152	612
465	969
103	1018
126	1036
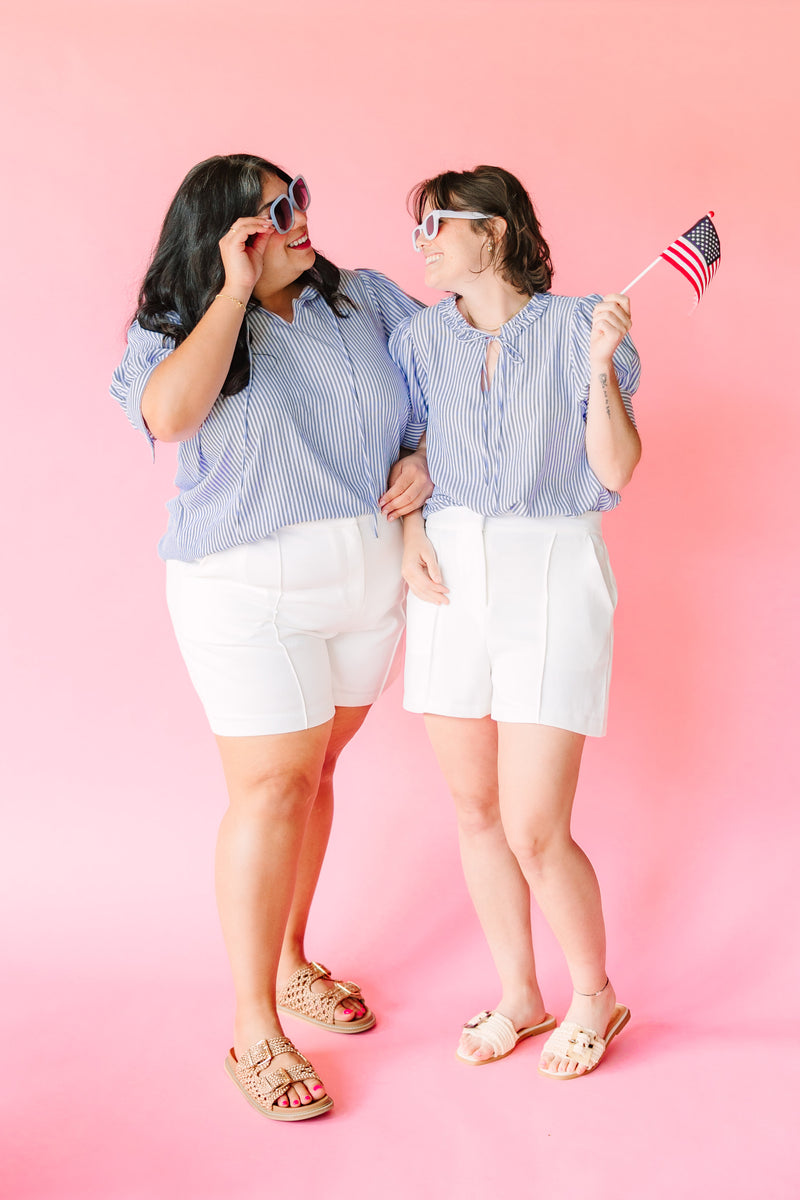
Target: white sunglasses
430	226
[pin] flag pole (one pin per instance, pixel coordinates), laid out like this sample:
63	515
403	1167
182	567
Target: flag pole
654	263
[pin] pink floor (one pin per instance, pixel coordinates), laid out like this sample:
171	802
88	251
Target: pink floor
113	1080
138	1107
627	121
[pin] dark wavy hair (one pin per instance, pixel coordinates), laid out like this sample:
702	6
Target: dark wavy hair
523	256
186	270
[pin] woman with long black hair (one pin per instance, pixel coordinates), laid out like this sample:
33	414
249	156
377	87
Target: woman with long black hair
270	367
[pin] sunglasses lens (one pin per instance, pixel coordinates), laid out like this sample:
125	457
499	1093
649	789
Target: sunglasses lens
300	193
282	215
430	226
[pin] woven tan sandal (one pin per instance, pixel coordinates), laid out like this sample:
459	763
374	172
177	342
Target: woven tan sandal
262	1088
298	999
584	1047
499	1032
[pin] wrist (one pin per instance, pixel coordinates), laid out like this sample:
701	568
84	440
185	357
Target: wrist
236	291
601	362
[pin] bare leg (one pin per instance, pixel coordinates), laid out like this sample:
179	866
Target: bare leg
272	782
538	769
346	724
467	754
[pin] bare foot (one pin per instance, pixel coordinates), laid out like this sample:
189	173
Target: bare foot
590	1012
350	1009
521	1012
300	1093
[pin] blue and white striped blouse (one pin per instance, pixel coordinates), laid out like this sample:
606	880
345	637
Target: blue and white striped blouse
311	437
518	447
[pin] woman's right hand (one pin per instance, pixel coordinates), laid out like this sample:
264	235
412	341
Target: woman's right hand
421	570
243	264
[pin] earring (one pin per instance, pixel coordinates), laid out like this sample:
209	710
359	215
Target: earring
491	245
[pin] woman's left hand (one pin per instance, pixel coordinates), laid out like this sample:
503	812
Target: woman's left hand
611	320
409	486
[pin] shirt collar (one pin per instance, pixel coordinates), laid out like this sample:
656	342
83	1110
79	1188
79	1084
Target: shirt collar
533	310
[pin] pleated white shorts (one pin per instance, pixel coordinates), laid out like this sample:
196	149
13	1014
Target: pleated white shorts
528	633
277	633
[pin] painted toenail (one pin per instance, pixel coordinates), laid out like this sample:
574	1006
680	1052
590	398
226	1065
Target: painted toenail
317	1087
295	1102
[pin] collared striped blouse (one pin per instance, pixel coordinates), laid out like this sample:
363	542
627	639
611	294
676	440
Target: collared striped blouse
313	435
519	446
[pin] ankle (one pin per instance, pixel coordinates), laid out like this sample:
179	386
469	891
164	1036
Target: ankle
594	992
292	958
523	1003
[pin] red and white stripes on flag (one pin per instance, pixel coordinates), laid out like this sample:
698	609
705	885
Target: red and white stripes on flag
696	254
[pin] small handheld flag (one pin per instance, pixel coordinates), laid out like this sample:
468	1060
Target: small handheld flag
696	254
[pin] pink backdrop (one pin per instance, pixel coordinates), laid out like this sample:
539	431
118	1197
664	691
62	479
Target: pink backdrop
627	121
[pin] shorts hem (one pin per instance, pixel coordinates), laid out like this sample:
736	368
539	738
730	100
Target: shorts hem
589	728
262	726
359	700
439	711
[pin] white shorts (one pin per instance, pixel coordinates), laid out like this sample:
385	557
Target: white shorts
277	633
528	633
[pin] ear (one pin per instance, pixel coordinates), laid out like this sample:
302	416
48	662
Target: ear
497	229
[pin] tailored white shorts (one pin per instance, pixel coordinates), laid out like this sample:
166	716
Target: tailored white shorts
528	633
277	633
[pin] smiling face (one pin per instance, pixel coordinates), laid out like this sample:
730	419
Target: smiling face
456	256
286	255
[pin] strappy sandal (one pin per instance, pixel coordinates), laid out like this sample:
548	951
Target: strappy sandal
262	1088
298	999
583	1047
502	1037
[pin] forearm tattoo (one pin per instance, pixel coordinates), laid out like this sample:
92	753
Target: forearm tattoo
604	385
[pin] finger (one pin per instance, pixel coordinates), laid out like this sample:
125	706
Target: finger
408	502
619	298
424	591
393	492
410	498
612	313
431	565
246	227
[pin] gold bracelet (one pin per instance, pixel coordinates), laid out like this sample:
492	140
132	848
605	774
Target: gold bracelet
225	296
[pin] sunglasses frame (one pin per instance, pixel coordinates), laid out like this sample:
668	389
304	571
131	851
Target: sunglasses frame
289	196
437	214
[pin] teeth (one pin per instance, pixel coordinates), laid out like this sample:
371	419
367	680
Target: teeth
299	241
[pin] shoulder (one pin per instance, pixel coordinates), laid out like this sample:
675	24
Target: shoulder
376	285
565	310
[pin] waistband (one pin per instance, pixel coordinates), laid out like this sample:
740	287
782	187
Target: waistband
464	518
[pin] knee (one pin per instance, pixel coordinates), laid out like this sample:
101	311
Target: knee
537	847
476	814
276	794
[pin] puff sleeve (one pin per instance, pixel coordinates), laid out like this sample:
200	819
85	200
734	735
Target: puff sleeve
146	349
626	358
391	302
405	356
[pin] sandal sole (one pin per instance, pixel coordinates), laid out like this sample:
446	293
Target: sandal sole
360	1026
304	1113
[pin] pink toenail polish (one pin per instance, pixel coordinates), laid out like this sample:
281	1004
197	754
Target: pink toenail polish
317	1087
295	1102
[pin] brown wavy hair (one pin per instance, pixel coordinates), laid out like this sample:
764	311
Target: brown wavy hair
523	256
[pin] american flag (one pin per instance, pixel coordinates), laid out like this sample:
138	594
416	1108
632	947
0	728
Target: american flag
696	254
